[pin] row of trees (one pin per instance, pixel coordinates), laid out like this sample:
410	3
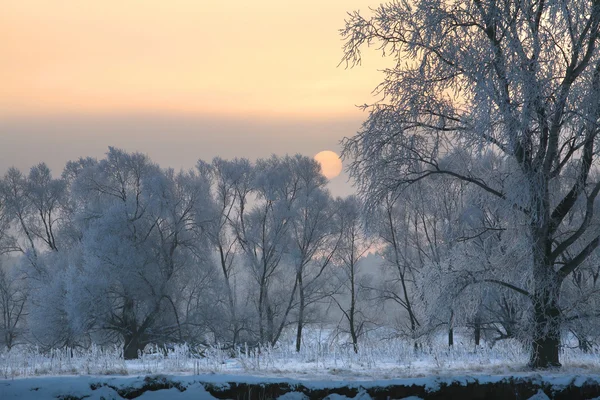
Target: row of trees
119	250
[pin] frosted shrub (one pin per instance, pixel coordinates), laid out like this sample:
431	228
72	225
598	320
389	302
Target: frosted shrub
394	358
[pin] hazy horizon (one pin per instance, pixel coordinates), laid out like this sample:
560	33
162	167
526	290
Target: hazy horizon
176	141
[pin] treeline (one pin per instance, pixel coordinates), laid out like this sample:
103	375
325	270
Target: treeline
120	250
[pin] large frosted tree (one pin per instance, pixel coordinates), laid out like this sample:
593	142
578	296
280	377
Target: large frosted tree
520	78
140	250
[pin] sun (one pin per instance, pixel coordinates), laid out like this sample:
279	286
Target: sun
331	165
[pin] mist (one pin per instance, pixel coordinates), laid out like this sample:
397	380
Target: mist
170	140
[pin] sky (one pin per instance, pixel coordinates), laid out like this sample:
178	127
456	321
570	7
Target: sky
178	80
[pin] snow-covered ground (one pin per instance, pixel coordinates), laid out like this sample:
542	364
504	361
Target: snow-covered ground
319	359
26	371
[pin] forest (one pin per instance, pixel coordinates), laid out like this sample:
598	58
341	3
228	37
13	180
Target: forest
233	253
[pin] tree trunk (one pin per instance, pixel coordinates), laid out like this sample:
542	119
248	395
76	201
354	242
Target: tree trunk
8	339
133	345
546	337
451	330
300	314
261	313
230	297
270	314
546	290
133	339
546	319
351	320
545	352
477	331
354	338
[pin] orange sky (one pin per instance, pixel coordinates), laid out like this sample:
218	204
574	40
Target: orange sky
235	57
178	80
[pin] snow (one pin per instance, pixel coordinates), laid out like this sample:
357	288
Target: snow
293	396
193	392
540	395
318	360
53	387
97	387
362	395
29	373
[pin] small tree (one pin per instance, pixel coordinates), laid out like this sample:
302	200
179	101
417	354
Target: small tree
34	205
354	245
314	239
401	263
13	298
263	233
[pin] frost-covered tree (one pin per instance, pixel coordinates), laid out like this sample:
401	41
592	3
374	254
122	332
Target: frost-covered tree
17	210
434	231
33	206
8	242
46	196
50	302
519	78
34	203
394	226
494	253
13	299
139	250
314	239
263	233
354	284
230	184
580	302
